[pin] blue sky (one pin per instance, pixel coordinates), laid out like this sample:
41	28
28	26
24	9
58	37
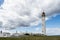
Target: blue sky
52	24
1	2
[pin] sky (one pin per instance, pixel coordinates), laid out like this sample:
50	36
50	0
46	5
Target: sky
25	16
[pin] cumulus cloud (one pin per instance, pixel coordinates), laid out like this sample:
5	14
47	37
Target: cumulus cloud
53	31
25	13
49	31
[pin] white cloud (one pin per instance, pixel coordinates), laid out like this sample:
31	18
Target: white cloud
37	29
3	30
49	31
53	31
17	13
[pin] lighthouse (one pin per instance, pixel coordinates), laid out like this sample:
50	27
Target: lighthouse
43	24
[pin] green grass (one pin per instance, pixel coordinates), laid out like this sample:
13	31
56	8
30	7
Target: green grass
32	38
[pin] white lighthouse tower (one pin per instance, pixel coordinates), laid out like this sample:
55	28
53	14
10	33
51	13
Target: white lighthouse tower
43	24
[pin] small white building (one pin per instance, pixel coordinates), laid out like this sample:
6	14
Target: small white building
4	34
17	34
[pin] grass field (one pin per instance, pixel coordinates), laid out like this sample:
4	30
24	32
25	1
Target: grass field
32	38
